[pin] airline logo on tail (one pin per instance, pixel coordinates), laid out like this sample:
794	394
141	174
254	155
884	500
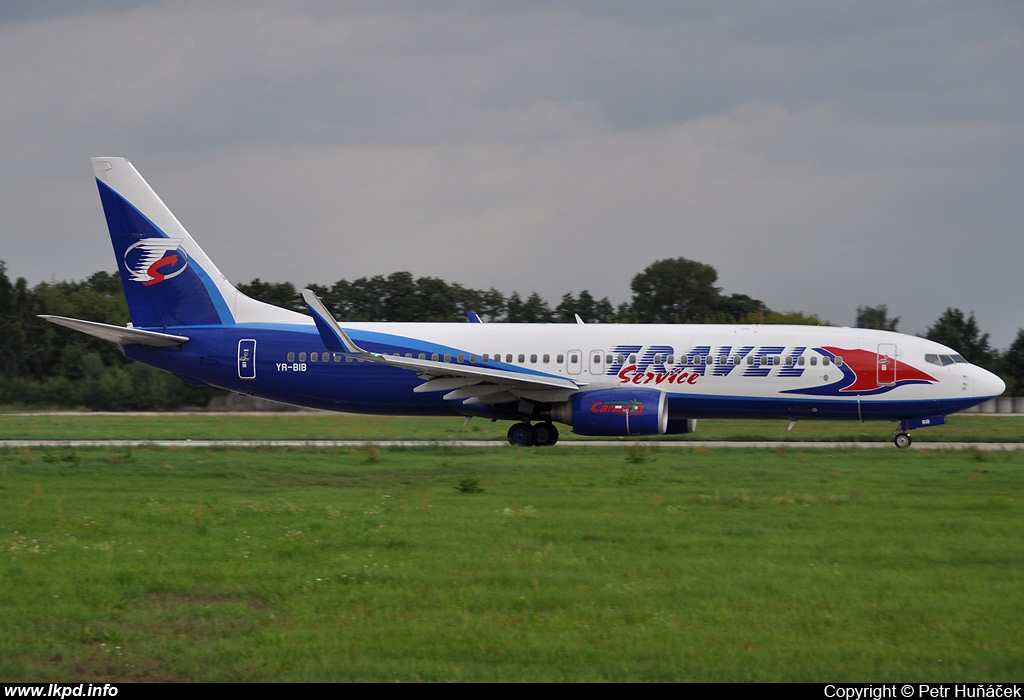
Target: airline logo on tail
153	260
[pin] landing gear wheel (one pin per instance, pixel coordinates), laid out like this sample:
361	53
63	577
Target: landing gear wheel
522	435
546	434
902	440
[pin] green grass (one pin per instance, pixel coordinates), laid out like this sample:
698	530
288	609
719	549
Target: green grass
334	426
618	564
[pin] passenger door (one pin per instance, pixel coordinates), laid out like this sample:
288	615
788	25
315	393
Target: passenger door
886	364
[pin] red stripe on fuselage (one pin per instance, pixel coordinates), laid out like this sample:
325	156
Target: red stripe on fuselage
864	365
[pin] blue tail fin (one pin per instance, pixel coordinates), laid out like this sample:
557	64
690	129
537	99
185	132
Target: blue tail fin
167	278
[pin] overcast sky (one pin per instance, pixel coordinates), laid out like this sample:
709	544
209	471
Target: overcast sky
820	156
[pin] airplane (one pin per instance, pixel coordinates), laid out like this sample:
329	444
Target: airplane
599	379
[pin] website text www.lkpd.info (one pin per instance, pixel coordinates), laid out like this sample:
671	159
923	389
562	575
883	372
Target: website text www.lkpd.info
61	690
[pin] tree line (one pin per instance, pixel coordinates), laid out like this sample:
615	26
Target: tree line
42	365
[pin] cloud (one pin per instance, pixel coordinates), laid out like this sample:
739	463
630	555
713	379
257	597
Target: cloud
818	159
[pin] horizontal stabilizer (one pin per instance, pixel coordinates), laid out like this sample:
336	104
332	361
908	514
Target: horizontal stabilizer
118	334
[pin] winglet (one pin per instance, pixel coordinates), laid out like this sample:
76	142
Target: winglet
333	335
474	317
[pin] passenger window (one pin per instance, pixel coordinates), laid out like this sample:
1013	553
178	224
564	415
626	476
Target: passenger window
522	358
547	359
291	357
434	356
533	359
302	357
560	359
508	357
839	361
313	357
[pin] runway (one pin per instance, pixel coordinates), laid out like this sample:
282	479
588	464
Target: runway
565	444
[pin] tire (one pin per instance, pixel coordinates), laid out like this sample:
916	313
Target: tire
546	434
522	435
902	440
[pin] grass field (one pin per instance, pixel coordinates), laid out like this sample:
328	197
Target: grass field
464	564
335	426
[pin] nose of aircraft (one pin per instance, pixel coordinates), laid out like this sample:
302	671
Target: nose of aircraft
986	384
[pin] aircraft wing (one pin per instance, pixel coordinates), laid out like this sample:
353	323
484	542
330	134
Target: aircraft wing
118	334
470	383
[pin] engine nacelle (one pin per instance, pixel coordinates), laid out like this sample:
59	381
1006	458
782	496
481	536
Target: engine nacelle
615	412
681	426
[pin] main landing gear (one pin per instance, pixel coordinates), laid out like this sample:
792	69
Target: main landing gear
539	434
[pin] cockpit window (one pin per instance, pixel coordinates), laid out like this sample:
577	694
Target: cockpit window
943	360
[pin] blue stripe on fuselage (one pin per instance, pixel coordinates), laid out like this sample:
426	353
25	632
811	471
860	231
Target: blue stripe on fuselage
787	408
209	357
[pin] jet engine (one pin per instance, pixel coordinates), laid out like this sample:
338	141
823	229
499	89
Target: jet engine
615	412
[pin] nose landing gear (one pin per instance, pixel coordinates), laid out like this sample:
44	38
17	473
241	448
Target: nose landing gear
901	439
901	436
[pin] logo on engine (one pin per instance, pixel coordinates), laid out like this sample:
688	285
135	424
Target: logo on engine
153	260
633	408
